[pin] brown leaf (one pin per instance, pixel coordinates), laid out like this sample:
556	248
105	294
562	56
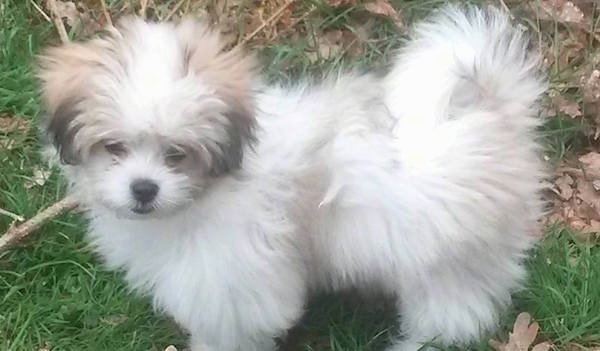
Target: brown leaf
38	178
7	143
384	8
563	11
338	3
522	336
577	200
590	163
68	12
591	86
544	346
334	43
114	320
567	107
573	346
589	195
11	124
567	47
564	186
78	18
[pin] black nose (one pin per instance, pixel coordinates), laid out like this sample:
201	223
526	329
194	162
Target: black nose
144	190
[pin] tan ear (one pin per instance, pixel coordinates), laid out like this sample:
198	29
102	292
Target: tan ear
63	73
231	72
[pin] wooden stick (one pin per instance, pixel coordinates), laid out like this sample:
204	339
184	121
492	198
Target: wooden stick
39	9
58	22
16	233
106	14
143	7
504	6
269	20
14	216
174	10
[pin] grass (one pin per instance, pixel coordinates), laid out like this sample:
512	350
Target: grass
54	294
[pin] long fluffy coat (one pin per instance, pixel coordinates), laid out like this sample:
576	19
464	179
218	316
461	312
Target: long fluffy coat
424	183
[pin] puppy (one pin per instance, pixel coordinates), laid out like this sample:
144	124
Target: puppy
229	201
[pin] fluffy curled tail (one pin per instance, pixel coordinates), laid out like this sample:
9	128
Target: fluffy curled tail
464	57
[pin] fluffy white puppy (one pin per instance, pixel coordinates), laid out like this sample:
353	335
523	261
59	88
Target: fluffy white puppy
229	201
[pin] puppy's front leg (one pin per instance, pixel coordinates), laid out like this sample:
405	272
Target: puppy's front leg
256	343
248	304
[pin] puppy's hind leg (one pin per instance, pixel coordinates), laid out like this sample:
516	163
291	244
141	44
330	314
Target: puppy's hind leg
454	306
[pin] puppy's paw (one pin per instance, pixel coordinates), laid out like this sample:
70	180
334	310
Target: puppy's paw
408	345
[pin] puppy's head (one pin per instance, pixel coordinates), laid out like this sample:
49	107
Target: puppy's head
146	117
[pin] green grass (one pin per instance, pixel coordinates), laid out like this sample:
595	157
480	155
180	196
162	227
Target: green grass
564	289
53	291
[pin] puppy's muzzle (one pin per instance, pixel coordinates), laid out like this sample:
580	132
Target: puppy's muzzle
144	190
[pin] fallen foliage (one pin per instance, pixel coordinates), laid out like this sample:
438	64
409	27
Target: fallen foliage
11	128
384	8
577	197
12	124
522	336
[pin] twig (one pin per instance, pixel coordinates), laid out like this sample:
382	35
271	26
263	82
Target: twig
300	19
505	6
174	10
106	14
16	233
14	216
39	9
58	23
143	6
269	20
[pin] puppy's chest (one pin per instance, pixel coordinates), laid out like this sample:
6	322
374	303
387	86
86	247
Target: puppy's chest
191	274
154	252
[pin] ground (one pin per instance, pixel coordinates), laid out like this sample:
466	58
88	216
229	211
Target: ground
55	296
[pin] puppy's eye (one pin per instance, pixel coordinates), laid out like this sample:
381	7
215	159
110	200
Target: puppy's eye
174	155
115	148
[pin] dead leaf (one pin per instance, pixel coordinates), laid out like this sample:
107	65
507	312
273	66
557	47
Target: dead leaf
577	199
522	336
68	12
334	43
544	346
567	107
564	185
77	17
589	195
114	320
7	143
573	346
591	86
384	8
338	3
590	163
38	178
11	124
562	11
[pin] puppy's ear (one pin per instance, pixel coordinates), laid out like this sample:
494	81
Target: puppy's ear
63	72
232	73
229	151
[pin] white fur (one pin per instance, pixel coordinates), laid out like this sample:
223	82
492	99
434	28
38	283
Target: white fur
424	184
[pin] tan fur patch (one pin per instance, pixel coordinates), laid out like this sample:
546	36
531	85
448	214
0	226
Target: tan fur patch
230	71
63	70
